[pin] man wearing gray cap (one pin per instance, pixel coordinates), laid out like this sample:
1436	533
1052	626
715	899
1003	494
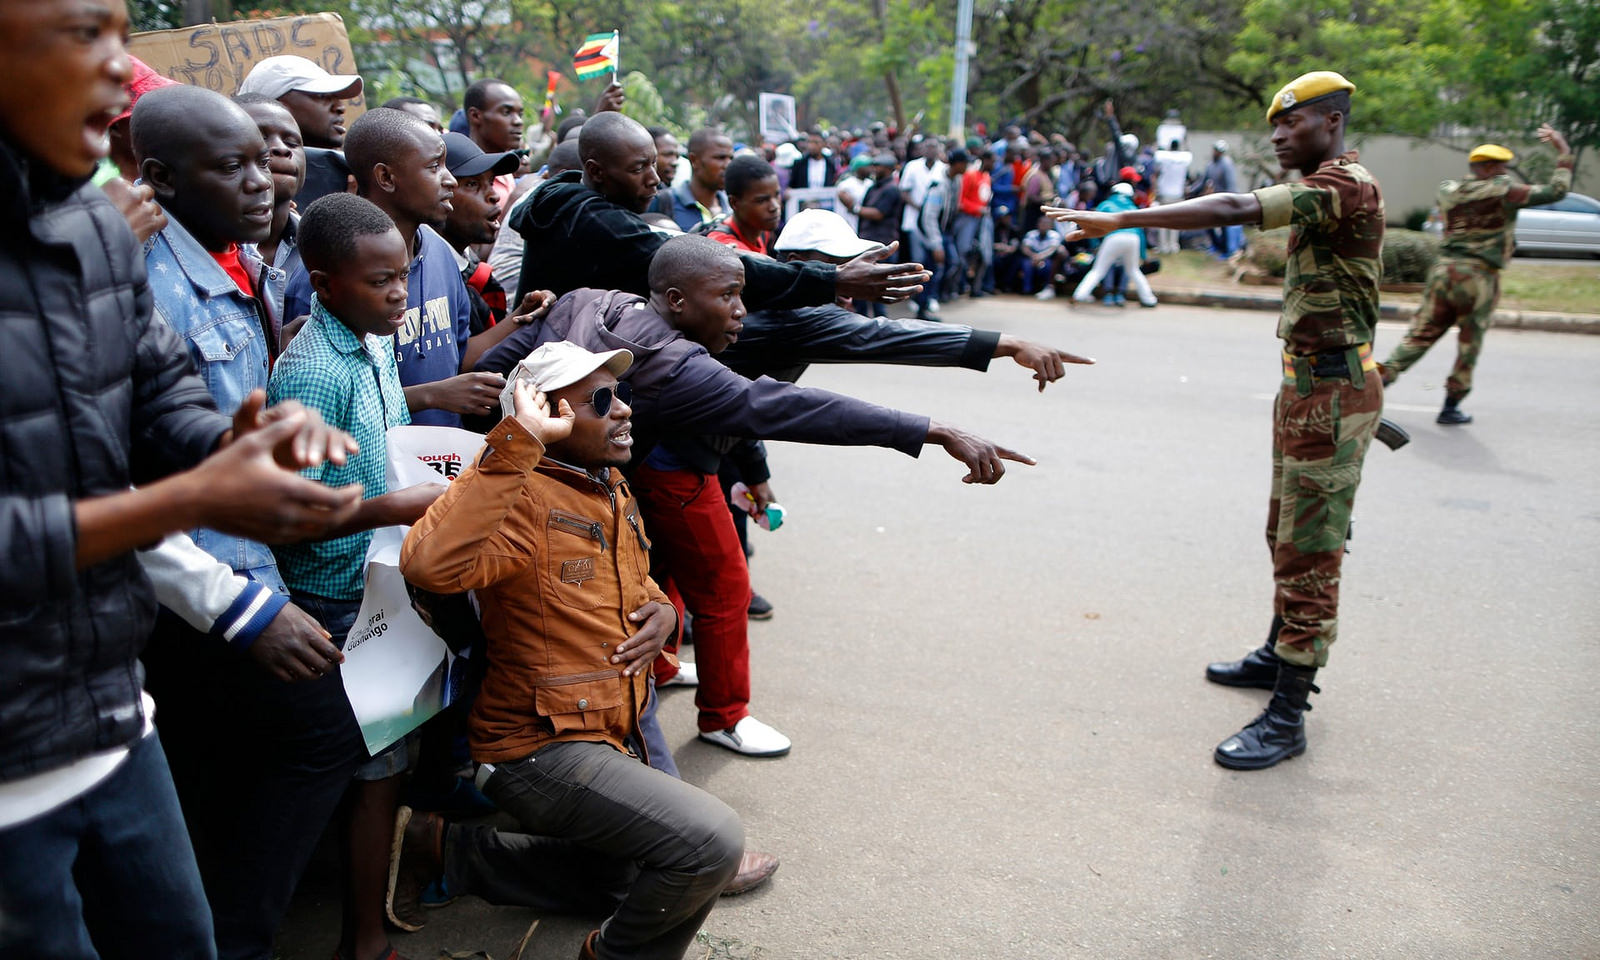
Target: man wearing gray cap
547	532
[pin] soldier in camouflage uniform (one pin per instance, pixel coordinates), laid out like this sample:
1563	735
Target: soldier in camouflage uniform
1480	216
1330	400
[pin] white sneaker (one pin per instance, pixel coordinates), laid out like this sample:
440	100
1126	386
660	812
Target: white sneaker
687	676
933	306
1048	293
750	737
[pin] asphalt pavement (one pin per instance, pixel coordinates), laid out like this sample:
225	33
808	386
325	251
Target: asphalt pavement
1002	735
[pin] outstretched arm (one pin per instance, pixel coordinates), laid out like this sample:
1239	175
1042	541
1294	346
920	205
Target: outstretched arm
1047	363
983	458
703	396
1215	210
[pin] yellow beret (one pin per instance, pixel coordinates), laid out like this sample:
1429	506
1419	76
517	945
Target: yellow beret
1306	88
1490	153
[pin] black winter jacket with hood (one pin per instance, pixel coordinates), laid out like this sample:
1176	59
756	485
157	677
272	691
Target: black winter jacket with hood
573	237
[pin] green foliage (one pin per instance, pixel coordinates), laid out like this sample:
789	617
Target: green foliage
1378	44
1268	251
644	102
1408	255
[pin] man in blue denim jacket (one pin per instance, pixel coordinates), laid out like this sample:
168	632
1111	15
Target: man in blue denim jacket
218	195
259	764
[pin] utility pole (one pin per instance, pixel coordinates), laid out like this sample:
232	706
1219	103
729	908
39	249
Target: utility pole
958	83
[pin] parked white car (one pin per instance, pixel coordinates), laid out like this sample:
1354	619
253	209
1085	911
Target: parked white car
1570	225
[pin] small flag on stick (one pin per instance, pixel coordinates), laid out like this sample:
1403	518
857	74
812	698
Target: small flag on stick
550	93
597	55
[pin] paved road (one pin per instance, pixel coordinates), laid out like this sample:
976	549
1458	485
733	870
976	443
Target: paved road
1002	737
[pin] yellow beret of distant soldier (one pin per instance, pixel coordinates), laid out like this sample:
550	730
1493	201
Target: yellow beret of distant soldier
1490	153
1308	88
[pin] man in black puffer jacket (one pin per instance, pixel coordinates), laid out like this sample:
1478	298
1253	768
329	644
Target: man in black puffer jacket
95	397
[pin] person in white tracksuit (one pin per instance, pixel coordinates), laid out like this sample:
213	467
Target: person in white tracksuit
1124	247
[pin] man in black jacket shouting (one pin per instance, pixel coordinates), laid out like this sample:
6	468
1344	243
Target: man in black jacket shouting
584	230
96	396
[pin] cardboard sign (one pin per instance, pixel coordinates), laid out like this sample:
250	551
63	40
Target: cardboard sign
218	55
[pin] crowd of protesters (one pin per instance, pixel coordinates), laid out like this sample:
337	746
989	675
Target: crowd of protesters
222	305
971	210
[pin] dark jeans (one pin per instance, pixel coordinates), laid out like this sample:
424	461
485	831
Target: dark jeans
606	833
655	739
109	874
954	281
260	766
922	252
1036	277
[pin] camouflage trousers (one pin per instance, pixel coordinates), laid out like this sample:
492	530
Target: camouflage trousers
1320	435
1459	291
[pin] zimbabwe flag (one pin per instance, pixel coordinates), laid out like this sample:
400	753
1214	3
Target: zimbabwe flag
597	55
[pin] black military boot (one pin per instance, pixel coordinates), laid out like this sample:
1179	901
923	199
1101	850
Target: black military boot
1280	732
1450	415
1259	668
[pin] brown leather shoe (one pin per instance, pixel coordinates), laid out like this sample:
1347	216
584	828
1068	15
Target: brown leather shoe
755	868
588	952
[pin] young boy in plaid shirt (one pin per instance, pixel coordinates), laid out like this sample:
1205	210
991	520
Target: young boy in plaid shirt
342	364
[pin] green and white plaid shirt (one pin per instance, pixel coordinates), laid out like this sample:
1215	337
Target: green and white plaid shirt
354	383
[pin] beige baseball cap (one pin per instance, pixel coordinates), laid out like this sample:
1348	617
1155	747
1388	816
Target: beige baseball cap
558	364
276	76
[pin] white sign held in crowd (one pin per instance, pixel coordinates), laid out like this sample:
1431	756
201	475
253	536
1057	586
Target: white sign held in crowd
777	118
395	666
807	197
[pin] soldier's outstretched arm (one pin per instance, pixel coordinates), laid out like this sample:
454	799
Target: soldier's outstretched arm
1213	210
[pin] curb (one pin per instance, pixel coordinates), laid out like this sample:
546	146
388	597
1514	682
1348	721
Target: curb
1508	319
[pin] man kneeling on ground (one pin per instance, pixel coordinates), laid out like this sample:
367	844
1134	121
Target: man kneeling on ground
547	532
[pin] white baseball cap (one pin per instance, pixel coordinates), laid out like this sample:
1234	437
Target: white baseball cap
1126	189
276	76
557	364
824	232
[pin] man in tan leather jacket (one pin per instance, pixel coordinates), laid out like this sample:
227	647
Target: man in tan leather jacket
547	532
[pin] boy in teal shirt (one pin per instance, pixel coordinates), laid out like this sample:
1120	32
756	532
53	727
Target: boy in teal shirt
342	364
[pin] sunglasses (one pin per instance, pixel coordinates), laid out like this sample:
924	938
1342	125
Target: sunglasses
601	398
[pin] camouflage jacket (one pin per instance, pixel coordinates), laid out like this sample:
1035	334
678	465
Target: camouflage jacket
1330	283
1480	216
